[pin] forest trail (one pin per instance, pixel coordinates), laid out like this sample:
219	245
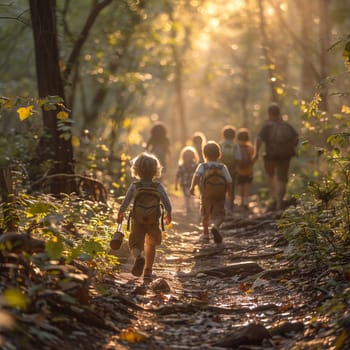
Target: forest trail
203	294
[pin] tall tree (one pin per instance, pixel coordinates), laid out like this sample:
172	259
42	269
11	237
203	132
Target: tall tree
52	145
266	52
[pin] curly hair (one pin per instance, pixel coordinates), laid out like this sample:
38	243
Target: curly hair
146	166
187	155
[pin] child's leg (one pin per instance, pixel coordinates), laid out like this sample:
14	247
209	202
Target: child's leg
241	192
187	204
150	254
245	194
218	217
152	239
205	213
136	246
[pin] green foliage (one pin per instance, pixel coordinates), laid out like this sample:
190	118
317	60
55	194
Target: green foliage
319	226
71	228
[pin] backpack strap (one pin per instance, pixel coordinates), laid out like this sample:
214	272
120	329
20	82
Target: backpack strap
212	166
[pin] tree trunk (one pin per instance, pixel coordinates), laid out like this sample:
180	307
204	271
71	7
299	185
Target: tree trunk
266	53
308	78
51	146
180	102
324	43
11	219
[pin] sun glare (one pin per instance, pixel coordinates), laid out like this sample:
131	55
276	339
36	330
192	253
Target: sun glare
214	12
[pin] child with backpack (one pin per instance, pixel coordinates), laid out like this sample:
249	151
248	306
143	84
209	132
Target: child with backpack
245	166
215	183
147	196
188	161
230	156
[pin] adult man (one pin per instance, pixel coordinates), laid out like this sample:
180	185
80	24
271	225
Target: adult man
280	140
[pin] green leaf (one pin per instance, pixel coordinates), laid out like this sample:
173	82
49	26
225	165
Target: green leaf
93	247
54	248
39	209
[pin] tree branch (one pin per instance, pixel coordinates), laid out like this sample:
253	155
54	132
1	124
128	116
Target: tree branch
83	36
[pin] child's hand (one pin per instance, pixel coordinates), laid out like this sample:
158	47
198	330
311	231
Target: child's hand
120	218
167	219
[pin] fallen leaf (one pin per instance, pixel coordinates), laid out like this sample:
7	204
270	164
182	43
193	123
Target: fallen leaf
132	336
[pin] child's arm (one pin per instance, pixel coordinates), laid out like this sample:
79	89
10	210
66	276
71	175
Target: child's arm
128	197
195	182
196	178
166	202
228	180
177	178
229	189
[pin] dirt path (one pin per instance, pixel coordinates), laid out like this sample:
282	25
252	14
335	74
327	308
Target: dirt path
239	294
203	294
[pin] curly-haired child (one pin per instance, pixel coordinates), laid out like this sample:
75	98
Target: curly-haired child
145	235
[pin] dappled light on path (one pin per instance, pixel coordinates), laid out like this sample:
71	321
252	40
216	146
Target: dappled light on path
203	292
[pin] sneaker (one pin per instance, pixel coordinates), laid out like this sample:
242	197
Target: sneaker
137	269
216	235
147	275
204	238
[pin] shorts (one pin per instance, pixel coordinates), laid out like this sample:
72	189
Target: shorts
213	210
138	233
280	168
244	179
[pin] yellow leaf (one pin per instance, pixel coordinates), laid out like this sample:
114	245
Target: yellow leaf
131	336
127	123
249	291
115	185
341	340
104	148
169	226
345	109
279	91
15	298
25	112
75	141
8	104
62	115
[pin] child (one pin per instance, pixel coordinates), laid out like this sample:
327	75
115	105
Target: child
198	140
230	157
145	235
245	171
159	145
188	162
215	183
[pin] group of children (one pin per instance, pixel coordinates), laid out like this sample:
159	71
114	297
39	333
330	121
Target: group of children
238	158
215	168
